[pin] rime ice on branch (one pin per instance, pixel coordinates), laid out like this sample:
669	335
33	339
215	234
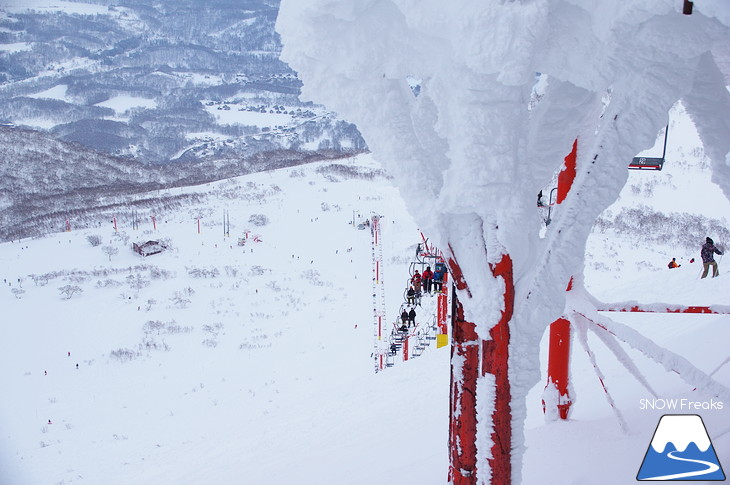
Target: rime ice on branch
471	147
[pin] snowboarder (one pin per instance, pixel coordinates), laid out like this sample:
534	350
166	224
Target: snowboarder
673	264
404	317
708	257
427	279
412	317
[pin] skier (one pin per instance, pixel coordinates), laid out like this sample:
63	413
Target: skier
412	317
404	317
673	264
438	279
416	281
427	279
708	257
411	296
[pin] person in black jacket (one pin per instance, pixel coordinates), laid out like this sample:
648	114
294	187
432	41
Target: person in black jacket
412	317
411	296
708	257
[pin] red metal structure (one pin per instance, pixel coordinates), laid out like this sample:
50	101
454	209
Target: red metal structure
558	378
633	307
472	358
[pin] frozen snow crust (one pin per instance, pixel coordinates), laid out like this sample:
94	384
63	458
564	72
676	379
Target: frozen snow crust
256	367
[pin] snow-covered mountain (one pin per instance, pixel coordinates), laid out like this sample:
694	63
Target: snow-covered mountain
215	362
43	181
159	81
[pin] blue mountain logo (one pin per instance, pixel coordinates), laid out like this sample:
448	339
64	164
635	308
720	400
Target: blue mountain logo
681	450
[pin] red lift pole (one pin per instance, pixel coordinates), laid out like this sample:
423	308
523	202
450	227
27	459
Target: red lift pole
472	358
559	349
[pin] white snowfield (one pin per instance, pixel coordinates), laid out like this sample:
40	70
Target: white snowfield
211	364
216	363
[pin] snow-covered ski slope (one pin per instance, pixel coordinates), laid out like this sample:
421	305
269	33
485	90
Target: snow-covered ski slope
216	363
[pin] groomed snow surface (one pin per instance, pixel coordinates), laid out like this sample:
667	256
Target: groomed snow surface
216	363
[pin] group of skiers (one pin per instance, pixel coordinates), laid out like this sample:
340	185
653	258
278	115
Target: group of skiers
427	282
408	318
707	253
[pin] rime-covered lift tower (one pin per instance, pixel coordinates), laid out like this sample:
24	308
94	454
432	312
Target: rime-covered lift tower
468	154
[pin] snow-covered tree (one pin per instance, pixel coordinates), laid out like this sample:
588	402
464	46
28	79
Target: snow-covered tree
504	90
67	291
110	251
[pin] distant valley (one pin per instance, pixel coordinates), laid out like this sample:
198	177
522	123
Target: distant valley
160	81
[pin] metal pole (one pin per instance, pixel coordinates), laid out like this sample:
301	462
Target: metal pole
471	359
559	349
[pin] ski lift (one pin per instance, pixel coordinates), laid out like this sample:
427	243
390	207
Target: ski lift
651	163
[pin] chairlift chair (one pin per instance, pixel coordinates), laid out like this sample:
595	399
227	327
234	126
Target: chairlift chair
651	163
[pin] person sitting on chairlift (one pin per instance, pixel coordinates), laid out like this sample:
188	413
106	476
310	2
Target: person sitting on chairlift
427	280
438	279
416	280
411	296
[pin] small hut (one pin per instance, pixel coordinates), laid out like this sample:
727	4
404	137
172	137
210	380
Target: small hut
148	248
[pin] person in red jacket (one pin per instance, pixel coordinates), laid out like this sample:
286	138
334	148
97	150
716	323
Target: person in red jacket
416	281
427	279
